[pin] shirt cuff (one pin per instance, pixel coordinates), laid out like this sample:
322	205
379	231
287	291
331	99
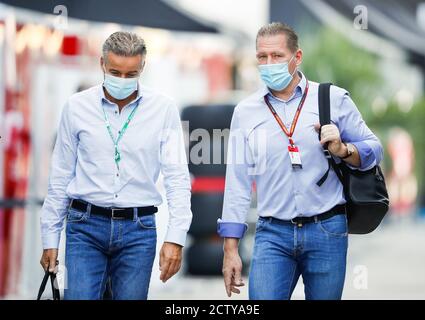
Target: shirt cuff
175	235
51	240
367	156
231	229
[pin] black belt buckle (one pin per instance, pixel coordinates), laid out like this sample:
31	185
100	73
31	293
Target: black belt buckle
113	216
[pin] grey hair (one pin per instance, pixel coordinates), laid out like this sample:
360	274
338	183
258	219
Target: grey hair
123	43
276	28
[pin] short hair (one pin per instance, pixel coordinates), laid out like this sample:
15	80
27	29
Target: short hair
123	43
276	28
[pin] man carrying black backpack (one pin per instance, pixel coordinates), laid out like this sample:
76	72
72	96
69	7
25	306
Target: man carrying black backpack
302	227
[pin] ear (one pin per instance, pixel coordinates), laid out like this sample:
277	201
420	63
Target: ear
298	57
102	64
143	65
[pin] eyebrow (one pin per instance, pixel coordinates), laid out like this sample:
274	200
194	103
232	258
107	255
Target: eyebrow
117	71
273	52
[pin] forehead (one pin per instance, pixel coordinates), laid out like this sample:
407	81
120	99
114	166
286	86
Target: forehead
272	43
124	63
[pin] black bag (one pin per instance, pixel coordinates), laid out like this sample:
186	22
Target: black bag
53	281
365	191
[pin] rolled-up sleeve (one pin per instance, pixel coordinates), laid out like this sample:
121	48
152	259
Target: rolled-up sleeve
62	171
354	130
238	186
176	178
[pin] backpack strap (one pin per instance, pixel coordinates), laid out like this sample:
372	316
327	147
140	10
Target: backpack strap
325	118
324	103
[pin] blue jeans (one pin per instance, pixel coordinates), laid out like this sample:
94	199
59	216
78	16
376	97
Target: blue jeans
283	251
99	248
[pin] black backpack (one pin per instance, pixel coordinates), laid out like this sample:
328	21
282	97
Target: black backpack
365	191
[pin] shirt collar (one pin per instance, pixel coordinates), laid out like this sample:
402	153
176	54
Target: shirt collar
103	98
264	91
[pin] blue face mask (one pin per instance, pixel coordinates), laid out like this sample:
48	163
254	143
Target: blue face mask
276	76
120	88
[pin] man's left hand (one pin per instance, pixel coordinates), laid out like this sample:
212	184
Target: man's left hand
330	135
170	259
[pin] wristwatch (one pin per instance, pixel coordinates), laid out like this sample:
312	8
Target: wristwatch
350	150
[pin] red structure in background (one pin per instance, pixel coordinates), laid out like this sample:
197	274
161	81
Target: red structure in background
401	179
16	140
208	184
71	46
219	72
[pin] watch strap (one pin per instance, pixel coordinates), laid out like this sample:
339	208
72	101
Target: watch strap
348	152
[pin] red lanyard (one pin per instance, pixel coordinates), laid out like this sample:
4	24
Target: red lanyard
294	121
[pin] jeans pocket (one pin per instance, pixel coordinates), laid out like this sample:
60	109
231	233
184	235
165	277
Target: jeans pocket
147	222
335	226
76	216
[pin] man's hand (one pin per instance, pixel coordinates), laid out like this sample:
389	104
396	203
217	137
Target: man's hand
170	260
49	259
232	267
330	134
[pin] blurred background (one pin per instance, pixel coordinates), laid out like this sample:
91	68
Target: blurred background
202	53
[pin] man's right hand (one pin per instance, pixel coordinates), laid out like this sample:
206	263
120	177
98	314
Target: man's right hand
48	259
232	266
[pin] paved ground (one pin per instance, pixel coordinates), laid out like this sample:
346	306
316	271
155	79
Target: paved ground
387	264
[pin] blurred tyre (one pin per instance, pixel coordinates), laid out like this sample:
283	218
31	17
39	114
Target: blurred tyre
205	257
208	118
206	209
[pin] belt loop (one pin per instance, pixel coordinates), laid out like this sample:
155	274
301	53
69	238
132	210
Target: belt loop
315	219
70	203
134	214
88	209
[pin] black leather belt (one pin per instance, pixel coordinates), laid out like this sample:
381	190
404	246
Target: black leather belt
300	221
114	213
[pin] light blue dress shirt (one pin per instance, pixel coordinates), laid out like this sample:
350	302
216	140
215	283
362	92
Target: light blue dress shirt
83	165
283	192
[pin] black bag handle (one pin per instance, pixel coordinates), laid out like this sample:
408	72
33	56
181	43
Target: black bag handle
53	281
325	118
324	104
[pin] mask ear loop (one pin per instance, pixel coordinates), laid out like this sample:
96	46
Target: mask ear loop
296	67
104	71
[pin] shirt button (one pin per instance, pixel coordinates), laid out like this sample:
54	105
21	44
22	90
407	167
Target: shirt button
116	196
118	174
116	112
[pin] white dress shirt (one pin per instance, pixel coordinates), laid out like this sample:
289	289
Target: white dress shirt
83	165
